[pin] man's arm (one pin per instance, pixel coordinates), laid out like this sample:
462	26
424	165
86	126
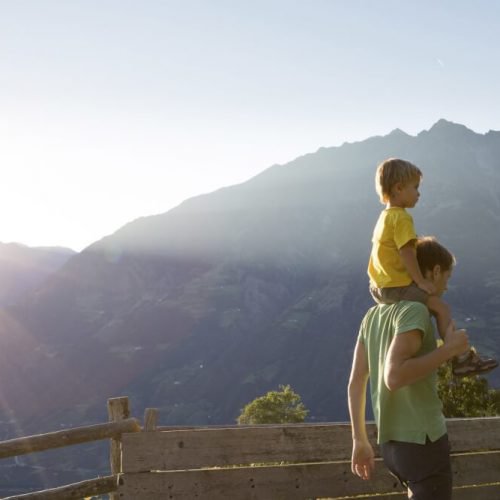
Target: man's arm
362	462
402	368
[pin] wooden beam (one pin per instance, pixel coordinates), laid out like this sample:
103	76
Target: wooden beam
325	480
468	434
59	439
88	488
290	482
486	492
482	492
207	447
193	449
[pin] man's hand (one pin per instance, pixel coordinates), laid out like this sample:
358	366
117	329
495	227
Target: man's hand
427	286
363	461
457	341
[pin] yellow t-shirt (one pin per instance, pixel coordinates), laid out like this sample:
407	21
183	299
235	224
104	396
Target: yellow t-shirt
393	230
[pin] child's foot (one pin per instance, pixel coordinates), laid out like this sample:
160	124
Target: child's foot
472	364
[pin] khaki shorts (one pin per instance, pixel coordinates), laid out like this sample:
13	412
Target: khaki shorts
398	293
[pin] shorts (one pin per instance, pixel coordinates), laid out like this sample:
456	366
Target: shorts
424	469
395	294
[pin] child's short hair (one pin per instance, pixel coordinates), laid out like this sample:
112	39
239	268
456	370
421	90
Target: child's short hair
431	253
392	171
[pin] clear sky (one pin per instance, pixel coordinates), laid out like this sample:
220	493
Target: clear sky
116	109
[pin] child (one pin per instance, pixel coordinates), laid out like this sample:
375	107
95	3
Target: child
393	268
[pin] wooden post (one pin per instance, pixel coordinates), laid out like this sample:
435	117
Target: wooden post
150	419
118	409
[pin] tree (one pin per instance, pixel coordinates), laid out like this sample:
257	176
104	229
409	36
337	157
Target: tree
466	397
276	407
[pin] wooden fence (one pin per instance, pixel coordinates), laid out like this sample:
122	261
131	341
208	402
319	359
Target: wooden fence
289	462
120	423
268	462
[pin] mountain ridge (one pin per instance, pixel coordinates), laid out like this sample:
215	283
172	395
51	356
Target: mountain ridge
199	310
23	268
235	267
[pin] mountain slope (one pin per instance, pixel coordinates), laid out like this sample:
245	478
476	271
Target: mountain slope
199	310
23	268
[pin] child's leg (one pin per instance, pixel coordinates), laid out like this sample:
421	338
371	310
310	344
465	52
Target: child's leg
441	310
468	363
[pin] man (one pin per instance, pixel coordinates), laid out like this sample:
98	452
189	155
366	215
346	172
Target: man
397	350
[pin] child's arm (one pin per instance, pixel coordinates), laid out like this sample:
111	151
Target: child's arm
409	257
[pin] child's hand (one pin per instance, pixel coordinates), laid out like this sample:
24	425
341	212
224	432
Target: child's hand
427	286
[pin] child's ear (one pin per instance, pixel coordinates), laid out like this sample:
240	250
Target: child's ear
398	187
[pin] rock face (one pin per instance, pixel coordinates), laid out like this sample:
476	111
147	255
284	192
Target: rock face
201	309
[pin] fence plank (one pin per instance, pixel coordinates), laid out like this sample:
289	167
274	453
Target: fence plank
490	492
195	448
476	468
91	487
286	482
218	447
474	433
59	439
330	480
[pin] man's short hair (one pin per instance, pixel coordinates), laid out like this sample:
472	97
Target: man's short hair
431	253
392	171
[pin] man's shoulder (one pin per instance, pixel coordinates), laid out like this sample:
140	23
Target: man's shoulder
409	305
412	316
402	305
402	309
397	318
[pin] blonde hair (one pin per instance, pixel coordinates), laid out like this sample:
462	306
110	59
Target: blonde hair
392	171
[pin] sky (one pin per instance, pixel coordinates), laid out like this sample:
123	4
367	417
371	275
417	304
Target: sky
112	110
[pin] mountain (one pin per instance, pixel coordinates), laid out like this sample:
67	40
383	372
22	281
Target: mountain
23	268
201	309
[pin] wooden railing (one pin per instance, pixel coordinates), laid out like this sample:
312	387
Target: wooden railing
269	462
289	462
120	423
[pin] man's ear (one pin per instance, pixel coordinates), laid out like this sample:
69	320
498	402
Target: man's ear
436	271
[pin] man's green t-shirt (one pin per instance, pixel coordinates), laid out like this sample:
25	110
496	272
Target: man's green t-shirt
413	412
